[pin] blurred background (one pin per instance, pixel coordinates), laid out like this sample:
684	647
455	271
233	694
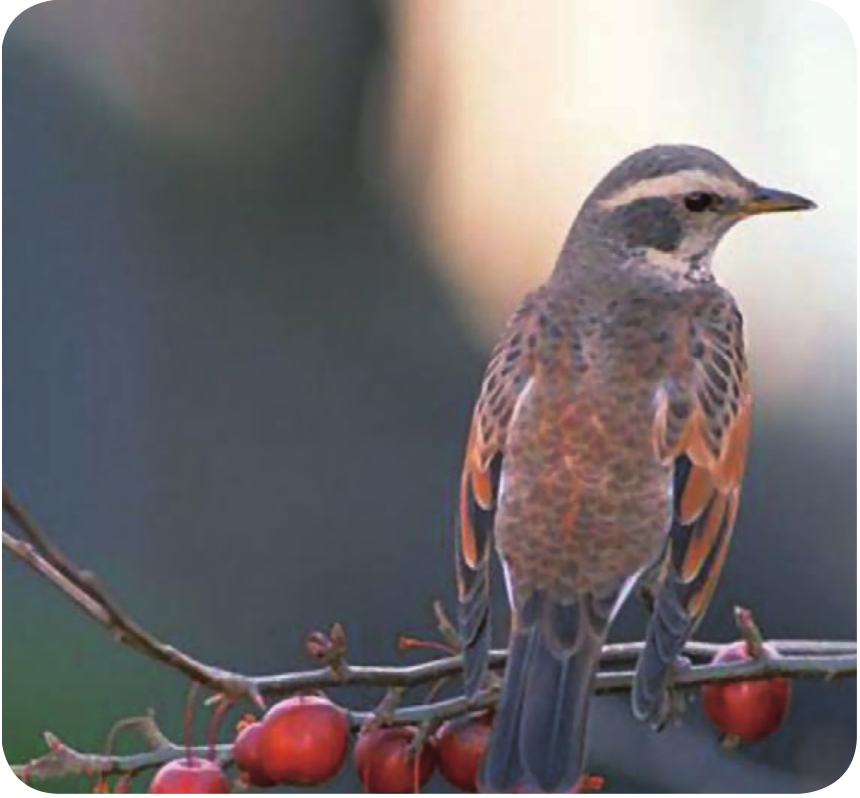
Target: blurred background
255	256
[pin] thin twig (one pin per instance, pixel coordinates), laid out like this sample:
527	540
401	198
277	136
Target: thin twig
362	675
798	659
84	590
62	760
802	658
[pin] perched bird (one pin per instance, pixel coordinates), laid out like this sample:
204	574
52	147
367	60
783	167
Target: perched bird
607	448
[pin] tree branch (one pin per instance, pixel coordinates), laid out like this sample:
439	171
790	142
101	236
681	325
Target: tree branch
63	760
797	659
83	589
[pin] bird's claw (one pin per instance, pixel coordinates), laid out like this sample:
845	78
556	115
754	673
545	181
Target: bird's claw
674	701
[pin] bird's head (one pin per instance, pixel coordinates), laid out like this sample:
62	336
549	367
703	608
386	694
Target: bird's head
671	205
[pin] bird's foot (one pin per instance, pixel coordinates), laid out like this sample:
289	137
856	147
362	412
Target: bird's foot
674	701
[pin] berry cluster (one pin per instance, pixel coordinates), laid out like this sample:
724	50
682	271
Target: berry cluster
303	741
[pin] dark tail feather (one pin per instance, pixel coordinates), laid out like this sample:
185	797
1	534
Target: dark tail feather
668	631
538	739
474	623
502	769
555	715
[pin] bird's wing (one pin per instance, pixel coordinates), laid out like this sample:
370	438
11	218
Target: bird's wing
705	430
506	376
702	426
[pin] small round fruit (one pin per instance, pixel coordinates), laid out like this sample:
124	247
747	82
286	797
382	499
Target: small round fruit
303	741
748	710
386	764
189	775
246	752
461	744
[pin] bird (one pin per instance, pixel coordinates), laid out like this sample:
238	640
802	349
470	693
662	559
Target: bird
606	449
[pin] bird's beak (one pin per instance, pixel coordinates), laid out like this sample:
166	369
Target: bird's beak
771	200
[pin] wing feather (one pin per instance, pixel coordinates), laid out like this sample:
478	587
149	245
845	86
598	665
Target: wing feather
714	412
507	375
702	427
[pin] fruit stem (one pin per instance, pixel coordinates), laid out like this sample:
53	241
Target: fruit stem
218	714
188	719
750	632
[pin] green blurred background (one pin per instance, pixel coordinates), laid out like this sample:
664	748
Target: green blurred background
255	255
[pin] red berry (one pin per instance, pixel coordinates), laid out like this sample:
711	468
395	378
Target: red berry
303	741
461	744
748	710
246	751
386	763
189	775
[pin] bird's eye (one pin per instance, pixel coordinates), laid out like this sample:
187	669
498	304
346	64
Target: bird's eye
699	201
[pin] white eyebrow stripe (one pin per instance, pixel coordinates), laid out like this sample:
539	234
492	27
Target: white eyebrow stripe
682	182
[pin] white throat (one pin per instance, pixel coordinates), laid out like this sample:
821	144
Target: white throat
693	259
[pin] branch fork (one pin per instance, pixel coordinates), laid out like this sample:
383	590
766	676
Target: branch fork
796	659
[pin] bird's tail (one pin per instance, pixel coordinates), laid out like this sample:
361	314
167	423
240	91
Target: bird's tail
538	738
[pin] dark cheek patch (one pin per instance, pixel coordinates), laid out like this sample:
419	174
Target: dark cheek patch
649	222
